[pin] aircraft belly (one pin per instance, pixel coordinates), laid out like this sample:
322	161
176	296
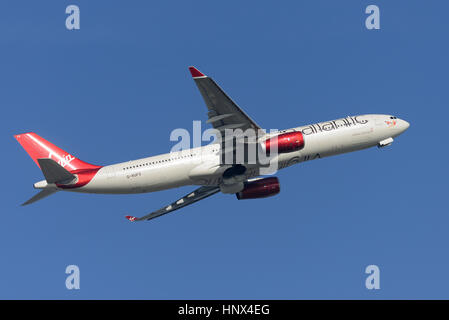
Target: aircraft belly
161	179
137	181
328	144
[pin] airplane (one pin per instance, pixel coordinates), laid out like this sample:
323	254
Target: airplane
204	166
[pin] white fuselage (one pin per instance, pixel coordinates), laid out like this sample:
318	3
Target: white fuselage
201	166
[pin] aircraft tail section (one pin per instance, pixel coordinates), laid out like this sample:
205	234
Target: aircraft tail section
54	174
39	148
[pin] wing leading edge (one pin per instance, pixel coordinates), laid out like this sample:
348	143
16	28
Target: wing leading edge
223	113
194	196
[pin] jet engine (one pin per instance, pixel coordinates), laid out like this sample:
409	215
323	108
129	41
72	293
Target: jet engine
285	142
233	179
260	188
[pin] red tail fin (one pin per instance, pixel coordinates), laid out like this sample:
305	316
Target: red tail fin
38	148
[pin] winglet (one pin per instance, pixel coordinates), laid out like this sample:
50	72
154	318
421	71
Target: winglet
131	218
196	73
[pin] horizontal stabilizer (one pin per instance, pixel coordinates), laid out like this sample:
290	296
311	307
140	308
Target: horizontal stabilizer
53	172
41	195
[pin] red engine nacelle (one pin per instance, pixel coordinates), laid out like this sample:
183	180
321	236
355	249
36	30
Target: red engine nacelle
286	142
261	188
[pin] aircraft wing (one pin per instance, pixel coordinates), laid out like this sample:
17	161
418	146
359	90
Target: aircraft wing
223	112
197	195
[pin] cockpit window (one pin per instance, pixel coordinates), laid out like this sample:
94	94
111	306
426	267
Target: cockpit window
393	118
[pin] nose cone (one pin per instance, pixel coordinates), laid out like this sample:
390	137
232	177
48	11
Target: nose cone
404	125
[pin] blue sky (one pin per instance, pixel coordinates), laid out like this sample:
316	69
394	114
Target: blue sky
115	89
